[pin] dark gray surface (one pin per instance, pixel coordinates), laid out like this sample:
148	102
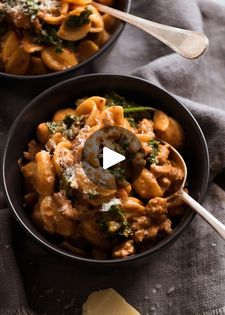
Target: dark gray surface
187	278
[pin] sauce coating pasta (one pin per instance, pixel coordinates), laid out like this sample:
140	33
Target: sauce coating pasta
86	219
42	36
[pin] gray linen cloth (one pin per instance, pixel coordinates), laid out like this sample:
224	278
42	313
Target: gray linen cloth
187	278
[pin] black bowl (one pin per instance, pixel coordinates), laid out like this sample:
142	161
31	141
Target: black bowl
81	68
61	95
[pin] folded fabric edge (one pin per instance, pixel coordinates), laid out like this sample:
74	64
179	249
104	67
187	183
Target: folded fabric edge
217	311
17	311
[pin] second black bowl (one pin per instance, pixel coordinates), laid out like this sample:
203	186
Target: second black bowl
81	68
58	96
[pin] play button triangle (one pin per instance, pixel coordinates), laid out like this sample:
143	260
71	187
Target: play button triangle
111	158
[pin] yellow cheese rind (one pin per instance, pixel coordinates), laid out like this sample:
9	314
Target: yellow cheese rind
107	302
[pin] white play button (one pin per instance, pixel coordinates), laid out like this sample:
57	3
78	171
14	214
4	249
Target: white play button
111	158
109	161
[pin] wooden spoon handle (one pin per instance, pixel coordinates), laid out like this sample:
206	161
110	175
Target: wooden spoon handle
188	44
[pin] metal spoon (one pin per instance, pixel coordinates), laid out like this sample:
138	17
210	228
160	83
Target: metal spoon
188	44
206	215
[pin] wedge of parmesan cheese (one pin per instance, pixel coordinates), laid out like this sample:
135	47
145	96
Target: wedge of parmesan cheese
107	302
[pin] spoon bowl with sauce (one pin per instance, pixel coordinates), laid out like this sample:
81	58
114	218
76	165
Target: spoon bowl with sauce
179	191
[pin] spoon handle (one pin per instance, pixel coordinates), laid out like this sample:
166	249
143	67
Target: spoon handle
218	226
188	44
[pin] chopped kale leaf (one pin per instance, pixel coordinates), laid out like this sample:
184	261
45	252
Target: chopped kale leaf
48	36
114	222
67	181
65	126
69	120
152	159
79	20
118	173
133	112
114	99
31	8
138	109
54	127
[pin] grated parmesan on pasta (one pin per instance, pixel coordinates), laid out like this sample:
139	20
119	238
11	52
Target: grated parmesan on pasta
113	202
47	5
17	6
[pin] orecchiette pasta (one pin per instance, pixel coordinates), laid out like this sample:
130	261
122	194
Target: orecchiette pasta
56	61
86	49
45	175
146	186
43	133
10	44
37	66
18	62
93	221
29	46
38	37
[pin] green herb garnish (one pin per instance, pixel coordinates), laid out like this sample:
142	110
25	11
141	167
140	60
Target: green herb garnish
152	159
118	173
65	126
31	8
114	99
54	127
132	111
70	120
48	36
79	20
137	109
114	222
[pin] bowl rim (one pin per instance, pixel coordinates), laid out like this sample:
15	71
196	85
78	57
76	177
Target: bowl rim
54	248
57	74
